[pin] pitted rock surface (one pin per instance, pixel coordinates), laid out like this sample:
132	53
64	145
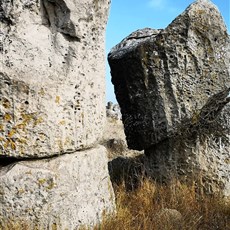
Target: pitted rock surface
173	87
163	77
52	76
199	154
59	193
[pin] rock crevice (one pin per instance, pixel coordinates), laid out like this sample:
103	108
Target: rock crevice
58	18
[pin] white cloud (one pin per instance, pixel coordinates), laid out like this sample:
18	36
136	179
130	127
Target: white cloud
164	5
157	4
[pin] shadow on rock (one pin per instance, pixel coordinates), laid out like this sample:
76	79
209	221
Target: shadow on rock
128	170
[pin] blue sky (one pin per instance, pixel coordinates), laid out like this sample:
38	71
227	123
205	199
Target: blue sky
127	16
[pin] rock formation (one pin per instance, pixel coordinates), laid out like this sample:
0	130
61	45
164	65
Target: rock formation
52	89
173	88
57	193
113	111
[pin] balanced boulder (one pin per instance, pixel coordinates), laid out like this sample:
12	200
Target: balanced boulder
163	77
173	87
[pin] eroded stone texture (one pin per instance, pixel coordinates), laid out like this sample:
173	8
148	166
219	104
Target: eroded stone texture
52	76
173	87
200	154
163	77
59	193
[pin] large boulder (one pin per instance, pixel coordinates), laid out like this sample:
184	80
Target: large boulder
199	155
59	193
163	77
173	87
52	76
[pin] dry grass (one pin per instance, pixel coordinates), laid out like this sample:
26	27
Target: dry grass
141	209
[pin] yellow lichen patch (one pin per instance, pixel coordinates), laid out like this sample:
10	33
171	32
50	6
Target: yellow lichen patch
9	143
20	126
41	92
57	99
41	181
11	133
54	226
7	117
2	139
51	185
22	141
39	120
5	103
12	145
28	117
62	122
6	144
21	191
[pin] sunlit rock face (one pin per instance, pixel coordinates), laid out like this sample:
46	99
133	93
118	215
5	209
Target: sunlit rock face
53	173
58	193
52	76
173	87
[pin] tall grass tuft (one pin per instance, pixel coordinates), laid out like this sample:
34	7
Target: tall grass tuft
152	206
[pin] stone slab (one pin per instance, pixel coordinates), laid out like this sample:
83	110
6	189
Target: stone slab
52	76
59	193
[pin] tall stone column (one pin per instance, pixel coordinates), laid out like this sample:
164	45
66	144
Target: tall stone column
53	173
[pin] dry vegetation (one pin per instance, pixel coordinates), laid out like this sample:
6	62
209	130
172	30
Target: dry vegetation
151	206
148	207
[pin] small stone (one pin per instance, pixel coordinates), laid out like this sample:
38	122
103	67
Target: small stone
171	217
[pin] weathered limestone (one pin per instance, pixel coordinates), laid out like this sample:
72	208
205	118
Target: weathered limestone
52	114
59	193
173	87
162	77
52	76
202	157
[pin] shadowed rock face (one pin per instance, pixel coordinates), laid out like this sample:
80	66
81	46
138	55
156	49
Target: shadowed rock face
173	87
163	77
52	76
